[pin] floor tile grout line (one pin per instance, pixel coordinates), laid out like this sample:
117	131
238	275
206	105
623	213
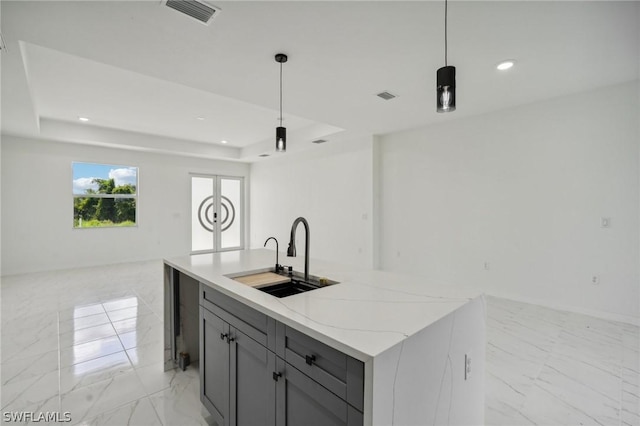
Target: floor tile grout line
92	359
81	307
87	341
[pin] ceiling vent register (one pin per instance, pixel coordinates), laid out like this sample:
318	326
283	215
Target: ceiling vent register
386	95
199	10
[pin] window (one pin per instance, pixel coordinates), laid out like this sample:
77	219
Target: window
104	195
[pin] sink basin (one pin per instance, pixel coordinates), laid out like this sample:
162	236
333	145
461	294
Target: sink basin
288	289
281	284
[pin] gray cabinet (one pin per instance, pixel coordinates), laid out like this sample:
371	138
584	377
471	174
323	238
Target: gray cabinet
301	401
256	371
334	370
214	366
252	387
236	375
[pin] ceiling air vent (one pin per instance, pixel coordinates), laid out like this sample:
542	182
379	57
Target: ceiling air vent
319	141
386	95
202	11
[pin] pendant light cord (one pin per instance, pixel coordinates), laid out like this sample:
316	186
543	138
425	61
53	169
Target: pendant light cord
280	94
445	33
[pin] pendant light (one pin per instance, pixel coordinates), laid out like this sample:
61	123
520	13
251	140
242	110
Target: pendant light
446	78
281	132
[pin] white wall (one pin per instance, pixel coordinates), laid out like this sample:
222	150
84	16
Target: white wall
37	206
523	189
331	187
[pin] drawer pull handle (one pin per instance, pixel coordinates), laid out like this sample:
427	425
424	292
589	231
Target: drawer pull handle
310	359
231	339
276	376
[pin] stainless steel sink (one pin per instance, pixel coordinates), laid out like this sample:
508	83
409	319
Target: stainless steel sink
295	283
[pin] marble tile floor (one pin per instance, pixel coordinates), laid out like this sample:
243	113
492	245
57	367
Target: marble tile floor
549	367
89	342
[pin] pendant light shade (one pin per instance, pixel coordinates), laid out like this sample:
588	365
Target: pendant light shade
281	139
281	132
446	78
446	89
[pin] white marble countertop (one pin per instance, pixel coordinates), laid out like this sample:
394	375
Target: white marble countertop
365	314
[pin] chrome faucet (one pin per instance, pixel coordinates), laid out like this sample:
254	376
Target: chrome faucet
291	251
278	267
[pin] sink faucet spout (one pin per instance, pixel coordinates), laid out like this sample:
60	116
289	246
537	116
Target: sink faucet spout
278	267
291	251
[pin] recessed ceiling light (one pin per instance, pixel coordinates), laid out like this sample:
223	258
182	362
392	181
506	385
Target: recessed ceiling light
200	118
85	119
502	66
223	141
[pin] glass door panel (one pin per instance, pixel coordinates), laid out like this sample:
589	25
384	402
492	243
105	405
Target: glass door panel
217	219
203	214
230	213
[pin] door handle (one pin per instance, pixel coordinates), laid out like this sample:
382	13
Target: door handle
276	376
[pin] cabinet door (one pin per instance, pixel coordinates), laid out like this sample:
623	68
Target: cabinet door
300	401
253	388
336	371
214	366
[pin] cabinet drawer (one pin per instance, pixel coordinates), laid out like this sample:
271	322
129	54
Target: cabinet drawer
301	401
336	371
254	324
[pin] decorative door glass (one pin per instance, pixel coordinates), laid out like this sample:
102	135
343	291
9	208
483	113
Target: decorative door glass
217	219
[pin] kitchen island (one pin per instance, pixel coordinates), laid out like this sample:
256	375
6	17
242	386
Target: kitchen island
377	348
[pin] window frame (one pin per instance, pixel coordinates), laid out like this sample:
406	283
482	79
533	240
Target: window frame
99	196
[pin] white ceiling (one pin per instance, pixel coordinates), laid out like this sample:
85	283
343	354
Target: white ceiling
138	66
68	86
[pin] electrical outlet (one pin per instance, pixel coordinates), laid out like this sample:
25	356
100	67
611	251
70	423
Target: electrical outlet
595	279
467	366
487	266
605	222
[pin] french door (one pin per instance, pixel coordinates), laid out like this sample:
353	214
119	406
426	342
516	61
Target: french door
217	213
